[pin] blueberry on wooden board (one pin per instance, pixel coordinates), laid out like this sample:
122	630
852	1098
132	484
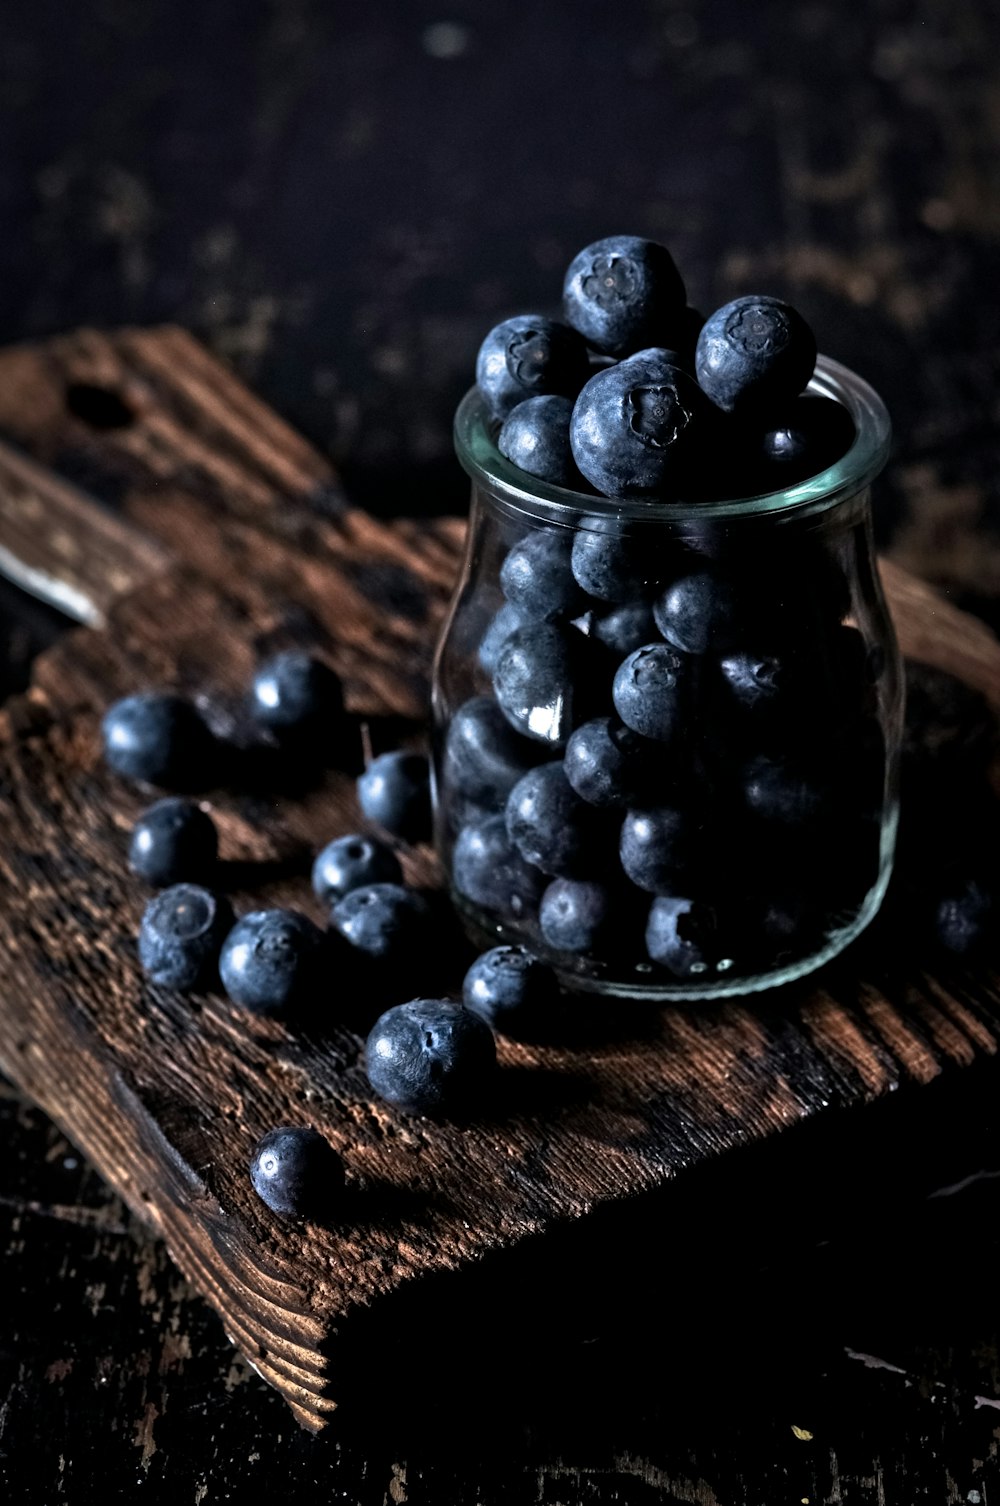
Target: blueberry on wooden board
535	438
296	694
649	690
181	936
536	577
157	737
483	756
753	351
507	987
529	356
173	842
430	1056
623	293
638	425
349	862
575	914
387	922
296	1172
395	793
488	870
271	960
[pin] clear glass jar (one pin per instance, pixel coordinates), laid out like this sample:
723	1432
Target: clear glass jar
736	831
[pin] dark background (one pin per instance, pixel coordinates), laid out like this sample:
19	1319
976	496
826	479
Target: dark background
341	199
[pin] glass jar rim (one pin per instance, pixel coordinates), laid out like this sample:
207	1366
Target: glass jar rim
477	452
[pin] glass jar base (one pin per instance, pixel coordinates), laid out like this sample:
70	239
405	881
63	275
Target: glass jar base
645	981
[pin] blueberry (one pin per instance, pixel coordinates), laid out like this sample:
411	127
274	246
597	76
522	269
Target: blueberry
172	842
622	293
609	564
349	863
386	922
271	960
296	1172
683	936
608	764
430	1056
537	579
810	434
483	756
575	914
637	425
529	356
649	690
548	823
395	793
776	791
623	629
181	935
965	916
534	682
656	849
158	738
498	630
753	351
507	987
698	612
488	870
535	438
296	695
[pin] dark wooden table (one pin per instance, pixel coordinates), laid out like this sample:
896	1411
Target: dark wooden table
341	211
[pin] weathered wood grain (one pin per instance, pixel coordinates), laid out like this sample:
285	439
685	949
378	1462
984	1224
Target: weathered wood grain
168	1095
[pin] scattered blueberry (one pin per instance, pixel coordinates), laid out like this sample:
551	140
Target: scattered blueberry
430	1056
181	936
656	849
608	563
507	988
483	756
548	823
574	915
534	682
395	793
698	612
608	764
683	936
752	351
529	356
386	922
623	293
637	425
488	870
811	434
158	738
296	694
349	863
537	579
270	960
498	630
649	690
173	842
296	1172
535	438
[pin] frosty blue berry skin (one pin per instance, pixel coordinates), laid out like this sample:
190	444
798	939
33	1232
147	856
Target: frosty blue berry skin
174	842
535	438
551	827
385	922
608	764
754	351
430	1057
483	756
508	988
683	936
181	936
394	793
576	915
650	690
537	578
535	681
159	738
529	356
272	960
487	869
623	293
295	695
350	862
297	1173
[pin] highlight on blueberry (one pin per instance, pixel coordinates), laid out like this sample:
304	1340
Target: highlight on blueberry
753	351
430	1056
174	842
535	438
157	737
529	356
181	936
395	793
623	293
296	1172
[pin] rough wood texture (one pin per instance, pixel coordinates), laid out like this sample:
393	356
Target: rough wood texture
167	1095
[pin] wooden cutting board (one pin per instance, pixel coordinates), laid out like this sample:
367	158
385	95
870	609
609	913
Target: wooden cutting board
221	535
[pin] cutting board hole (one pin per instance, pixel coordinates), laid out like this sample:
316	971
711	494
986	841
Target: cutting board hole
100	407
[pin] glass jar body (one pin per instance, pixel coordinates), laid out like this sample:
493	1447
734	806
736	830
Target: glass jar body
666	740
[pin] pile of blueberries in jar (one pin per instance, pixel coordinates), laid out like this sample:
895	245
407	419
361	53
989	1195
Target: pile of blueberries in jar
672	766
